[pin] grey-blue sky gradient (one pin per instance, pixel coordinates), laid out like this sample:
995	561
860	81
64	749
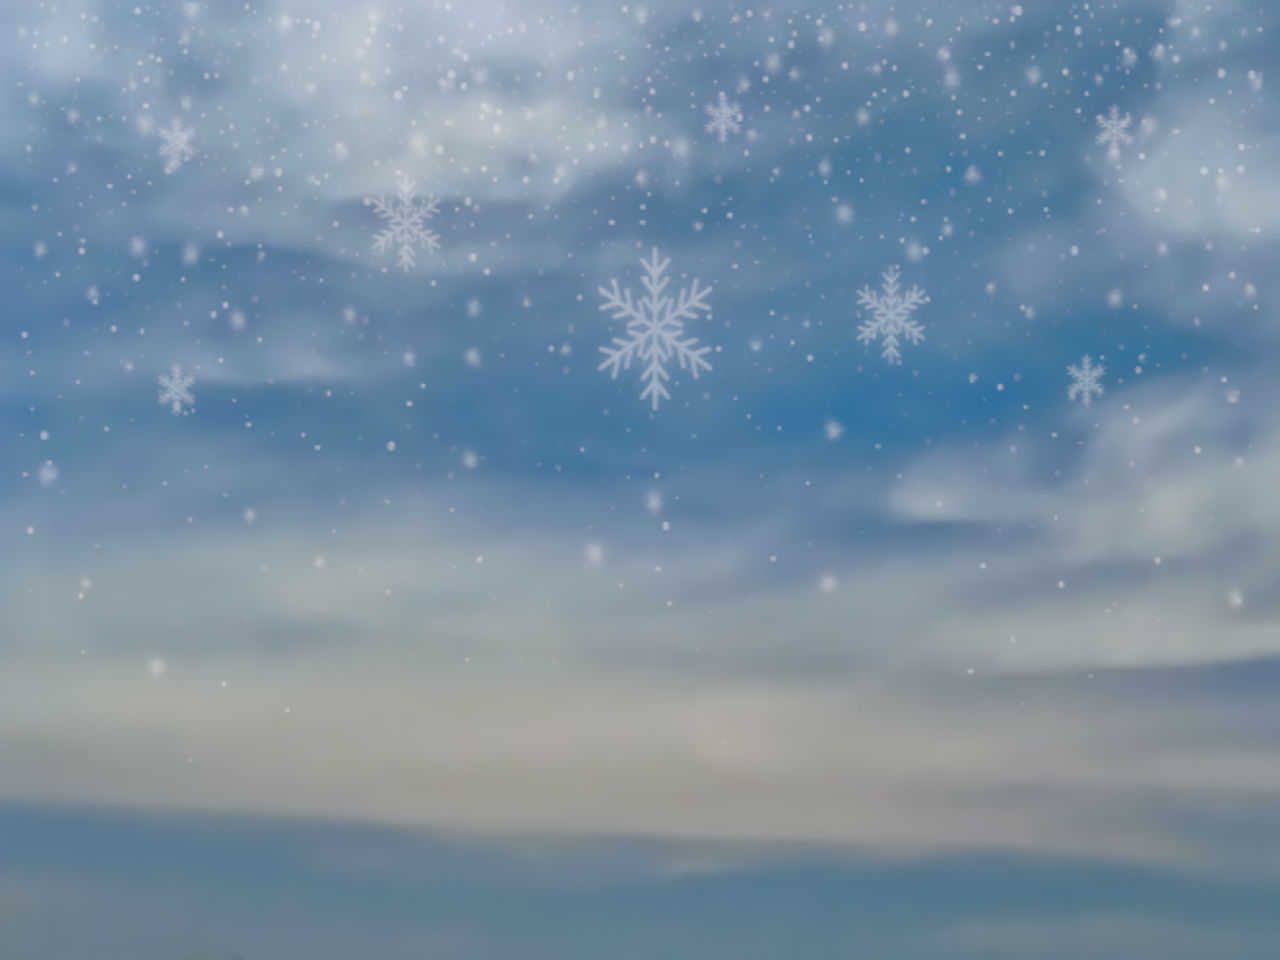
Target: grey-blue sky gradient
419	636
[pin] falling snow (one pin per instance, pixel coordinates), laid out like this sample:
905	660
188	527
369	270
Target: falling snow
1114	132
891	321
655	329
406	224
726	117
175	145
1085	381
175	390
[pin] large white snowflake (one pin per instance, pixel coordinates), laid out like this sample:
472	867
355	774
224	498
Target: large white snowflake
1115	131
175	390
655	329
726	117
406	227
891	321
1085	381
175	145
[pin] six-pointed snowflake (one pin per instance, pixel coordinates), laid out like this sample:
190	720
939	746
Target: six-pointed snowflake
175	145
1085	379
1115	131
175	390
726	117
406	228
655	329
891	321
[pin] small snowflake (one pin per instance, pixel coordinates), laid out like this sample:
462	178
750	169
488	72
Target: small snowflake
1114	132
406	227
175	390
655	329
175	147
891	319
726	118
1085	379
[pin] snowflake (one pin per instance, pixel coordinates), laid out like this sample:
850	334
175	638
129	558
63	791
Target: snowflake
726	118
1114	132
175	147
175	390
655	328
1084	381
891	316
406	224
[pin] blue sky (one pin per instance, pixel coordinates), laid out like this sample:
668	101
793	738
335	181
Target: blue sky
418	635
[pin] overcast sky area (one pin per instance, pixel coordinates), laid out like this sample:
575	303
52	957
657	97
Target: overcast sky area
391	626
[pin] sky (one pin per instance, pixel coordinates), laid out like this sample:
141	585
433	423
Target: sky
389	624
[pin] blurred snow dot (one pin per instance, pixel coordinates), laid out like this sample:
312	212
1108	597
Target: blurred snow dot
972	175
755	344
410	358
653	502
472	357
48	473
1115	298
156	667
844	213
92	295
833	429
190	254
250	516
318	562
470	460
238	320
391	446
1235	598
1233	395
138	246
595	554
827	583
473	307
